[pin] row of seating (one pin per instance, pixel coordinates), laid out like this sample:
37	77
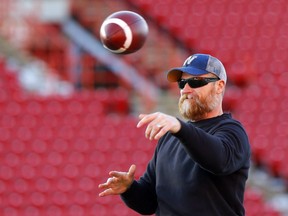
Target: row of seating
54	151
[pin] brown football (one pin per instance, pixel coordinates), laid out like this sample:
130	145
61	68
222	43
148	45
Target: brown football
124	32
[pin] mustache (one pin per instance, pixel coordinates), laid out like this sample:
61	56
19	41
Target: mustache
187	96
182	98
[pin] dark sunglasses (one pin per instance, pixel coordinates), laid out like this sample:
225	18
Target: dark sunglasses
196	82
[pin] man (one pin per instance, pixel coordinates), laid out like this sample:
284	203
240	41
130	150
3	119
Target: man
199	167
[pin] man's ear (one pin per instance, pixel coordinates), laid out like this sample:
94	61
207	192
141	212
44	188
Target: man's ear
220	87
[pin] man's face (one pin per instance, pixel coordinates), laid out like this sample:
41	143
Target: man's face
196	103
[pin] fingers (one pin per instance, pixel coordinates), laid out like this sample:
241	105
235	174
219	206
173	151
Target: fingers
118	183
108	183
130	173
107	187
144	119
162	130
158	124
110	187
155	131
106	192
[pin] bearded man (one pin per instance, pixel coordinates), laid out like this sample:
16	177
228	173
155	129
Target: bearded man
200	166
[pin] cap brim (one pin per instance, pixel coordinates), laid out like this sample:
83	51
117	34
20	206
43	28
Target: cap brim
175	74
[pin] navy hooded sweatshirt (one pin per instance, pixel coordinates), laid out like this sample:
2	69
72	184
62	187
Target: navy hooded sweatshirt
199	171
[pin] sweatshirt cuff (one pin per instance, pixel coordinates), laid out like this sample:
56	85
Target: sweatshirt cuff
182	130
129	191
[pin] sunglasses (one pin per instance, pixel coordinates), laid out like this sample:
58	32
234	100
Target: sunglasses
196	82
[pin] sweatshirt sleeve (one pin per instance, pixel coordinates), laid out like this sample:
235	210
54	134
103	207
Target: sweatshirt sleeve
222	151
141	196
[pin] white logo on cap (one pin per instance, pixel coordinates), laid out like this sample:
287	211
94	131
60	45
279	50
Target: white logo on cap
189	60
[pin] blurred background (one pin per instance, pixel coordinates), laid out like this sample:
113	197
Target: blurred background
69	108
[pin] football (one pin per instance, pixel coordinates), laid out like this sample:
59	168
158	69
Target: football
124	32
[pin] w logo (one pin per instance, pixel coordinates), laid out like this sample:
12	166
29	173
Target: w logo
189	60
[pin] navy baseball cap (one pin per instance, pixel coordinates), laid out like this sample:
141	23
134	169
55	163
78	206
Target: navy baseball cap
198	64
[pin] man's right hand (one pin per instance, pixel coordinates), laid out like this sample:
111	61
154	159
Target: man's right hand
118	183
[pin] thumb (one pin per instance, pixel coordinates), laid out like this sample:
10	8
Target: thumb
132	170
